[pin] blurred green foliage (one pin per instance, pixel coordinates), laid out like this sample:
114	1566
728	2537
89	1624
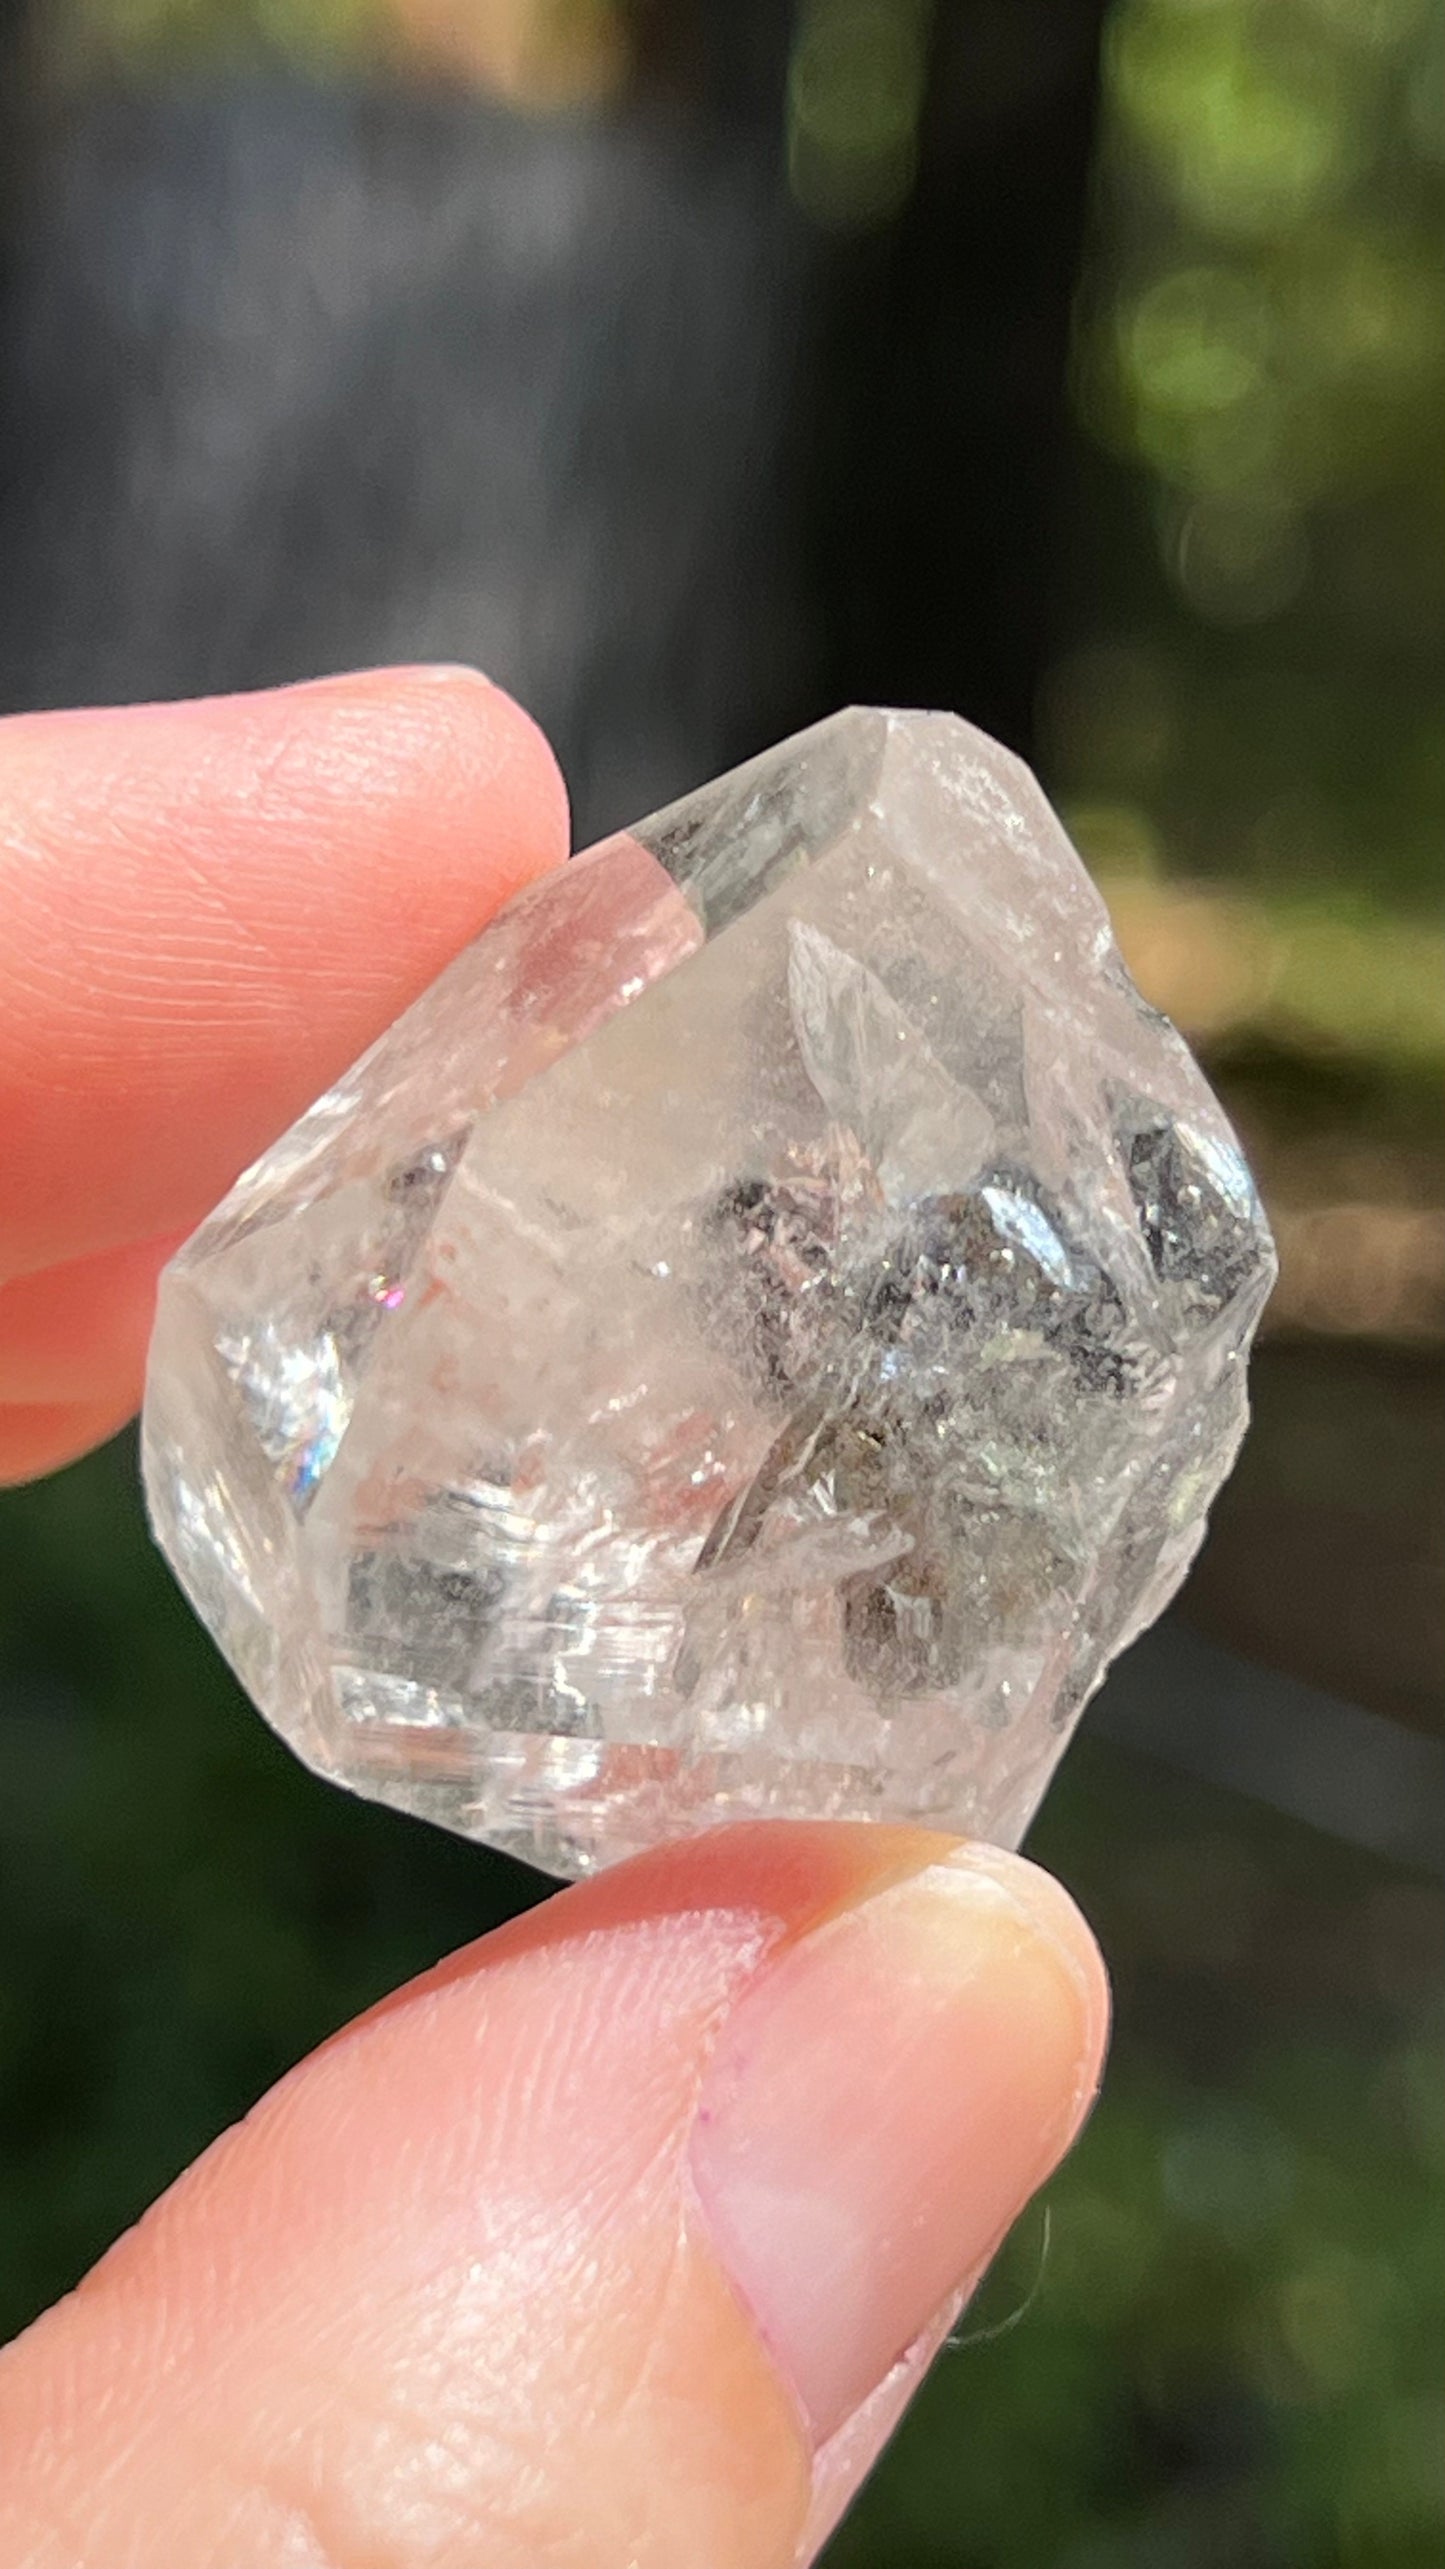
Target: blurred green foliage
856	91
1261	350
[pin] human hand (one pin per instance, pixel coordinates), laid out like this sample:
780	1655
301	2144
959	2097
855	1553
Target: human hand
621	2239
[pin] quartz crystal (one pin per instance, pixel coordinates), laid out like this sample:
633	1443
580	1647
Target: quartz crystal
757	1336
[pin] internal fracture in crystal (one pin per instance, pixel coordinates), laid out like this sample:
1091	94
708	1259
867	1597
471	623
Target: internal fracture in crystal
758	1336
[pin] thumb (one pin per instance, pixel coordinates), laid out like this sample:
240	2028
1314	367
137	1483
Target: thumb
616	2242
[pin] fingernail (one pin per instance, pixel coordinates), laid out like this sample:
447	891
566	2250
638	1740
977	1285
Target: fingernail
882	2103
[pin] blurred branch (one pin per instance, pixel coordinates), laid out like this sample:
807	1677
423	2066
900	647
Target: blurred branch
1352	1773
945	446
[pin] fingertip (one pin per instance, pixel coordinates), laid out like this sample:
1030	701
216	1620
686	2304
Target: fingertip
41	1437
768	1881
213	907
77	1335
474	739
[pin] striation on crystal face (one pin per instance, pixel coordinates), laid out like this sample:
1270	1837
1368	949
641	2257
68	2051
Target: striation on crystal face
758	1336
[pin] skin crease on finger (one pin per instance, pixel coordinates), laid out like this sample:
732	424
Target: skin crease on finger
451	2295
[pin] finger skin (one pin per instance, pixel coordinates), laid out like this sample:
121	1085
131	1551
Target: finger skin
72	1355
208	911
36	1438
72	1334
449	2296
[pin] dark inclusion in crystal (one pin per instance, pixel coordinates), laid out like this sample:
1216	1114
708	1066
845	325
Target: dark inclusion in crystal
420	1619
878	1342
779	1241
996	1257
1197	1210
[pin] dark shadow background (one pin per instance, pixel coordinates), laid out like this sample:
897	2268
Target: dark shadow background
694	368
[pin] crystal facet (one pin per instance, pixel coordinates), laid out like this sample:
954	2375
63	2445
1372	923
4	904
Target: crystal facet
757	1336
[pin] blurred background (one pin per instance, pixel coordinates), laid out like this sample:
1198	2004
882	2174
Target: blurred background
693	367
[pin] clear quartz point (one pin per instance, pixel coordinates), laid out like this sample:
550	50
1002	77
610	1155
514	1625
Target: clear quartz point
757	1337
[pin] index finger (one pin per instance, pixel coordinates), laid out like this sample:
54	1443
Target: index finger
207	910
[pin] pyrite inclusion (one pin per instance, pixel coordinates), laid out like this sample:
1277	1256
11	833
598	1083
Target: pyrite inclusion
757	1336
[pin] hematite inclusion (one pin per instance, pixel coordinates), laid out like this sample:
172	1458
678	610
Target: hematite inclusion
757	1336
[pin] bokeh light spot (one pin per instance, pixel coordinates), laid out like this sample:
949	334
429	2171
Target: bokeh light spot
855	94
1250	127
1237	560
1231	2169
